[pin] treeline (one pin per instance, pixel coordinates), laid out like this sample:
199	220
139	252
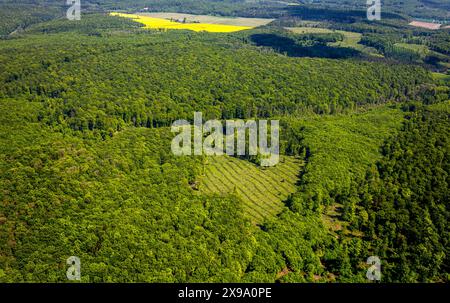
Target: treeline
384	35
124	206
436	45
125	203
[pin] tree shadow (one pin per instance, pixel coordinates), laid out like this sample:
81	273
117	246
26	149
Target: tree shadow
289	47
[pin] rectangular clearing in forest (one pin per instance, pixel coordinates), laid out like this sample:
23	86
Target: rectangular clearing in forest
262	190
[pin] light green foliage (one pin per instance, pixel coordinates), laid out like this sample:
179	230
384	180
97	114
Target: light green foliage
340	147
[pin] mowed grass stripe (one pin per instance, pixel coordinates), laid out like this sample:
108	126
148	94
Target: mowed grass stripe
250	208
207	187
279	172
254	214
290	168
261	190
267	175
255	198
247	201
286	186
286	171
256	181
269	185
210	184
271	182
215	178
293	167
225	187
269	199
289	182
271	179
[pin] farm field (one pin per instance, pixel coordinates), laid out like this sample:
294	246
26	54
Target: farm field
427	25
351	39
162	23
262	190
235	21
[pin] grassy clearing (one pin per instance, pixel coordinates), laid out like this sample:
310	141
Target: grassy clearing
351	39
423	50
262	190
175	24
440	76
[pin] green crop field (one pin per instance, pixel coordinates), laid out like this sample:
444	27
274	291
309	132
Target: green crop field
262	190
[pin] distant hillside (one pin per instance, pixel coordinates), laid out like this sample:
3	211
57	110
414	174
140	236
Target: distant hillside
428	9
434	9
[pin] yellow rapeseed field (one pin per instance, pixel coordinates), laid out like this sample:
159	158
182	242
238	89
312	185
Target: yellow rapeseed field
158	23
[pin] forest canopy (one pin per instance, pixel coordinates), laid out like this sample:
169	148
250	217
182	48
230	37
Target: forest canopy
86	168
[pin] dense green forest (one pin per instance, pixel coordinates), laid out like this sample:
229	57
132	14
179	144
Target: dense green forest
86	168
405	200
